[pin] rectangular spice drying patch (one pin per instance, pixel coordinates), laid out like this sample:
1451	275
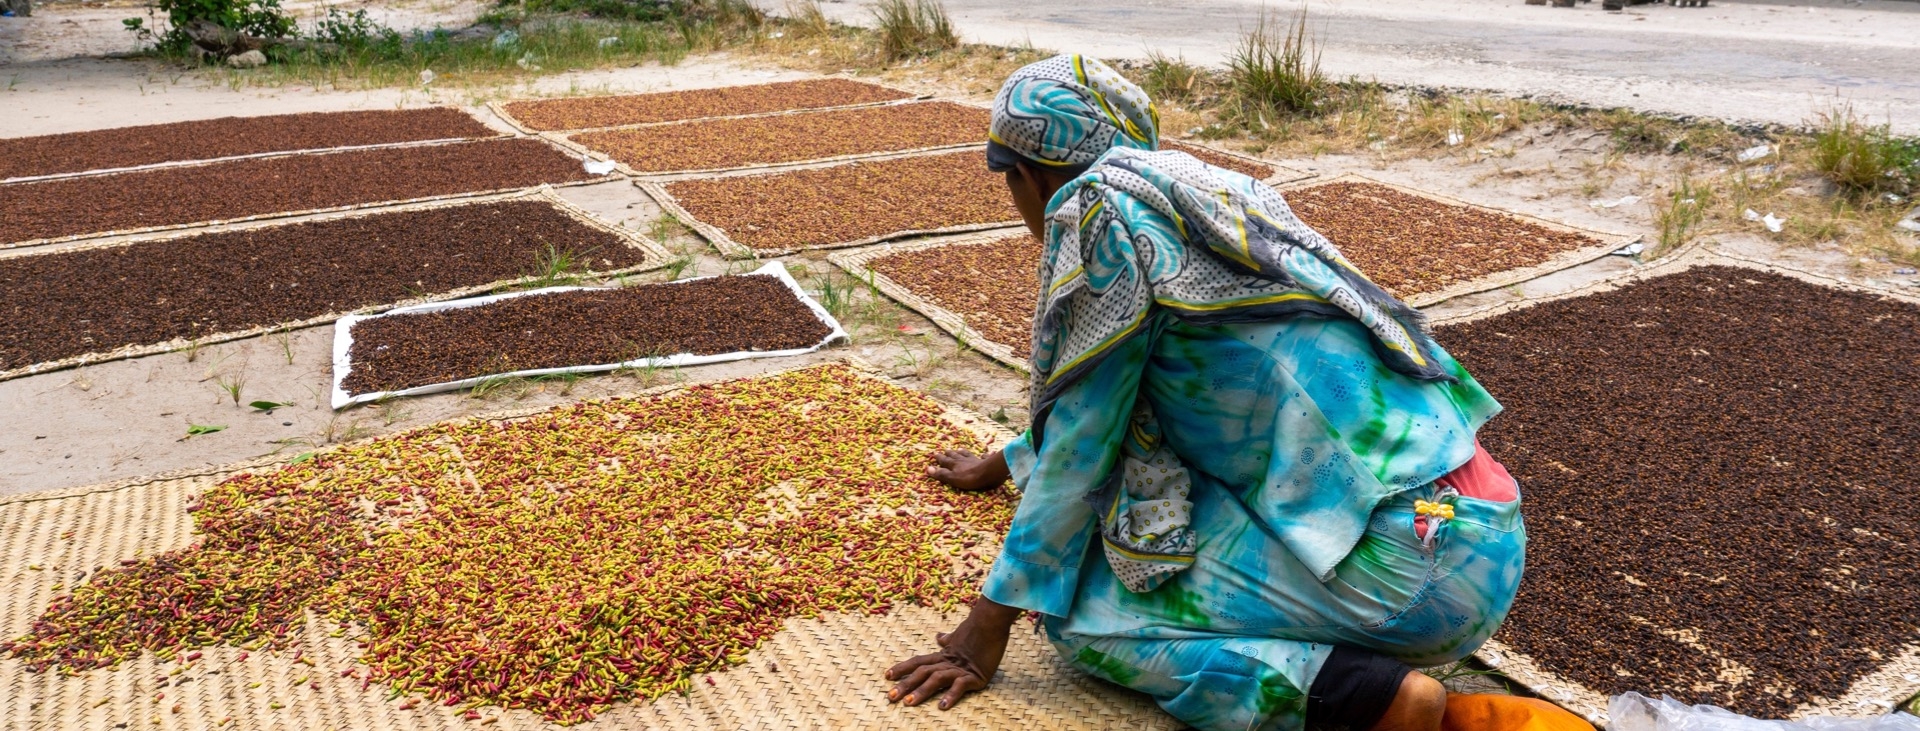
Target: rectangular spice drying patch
116	300
843	205
980	287
452	345
596	554
579	113
1720	497
212	139
235	190
1426	248
733	144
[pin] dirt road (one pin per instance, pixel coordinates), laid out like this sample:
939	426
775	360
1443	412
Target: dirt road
1779	62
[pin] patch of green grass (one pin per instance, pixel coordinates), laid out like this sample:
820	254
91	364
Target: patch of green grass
913	28
1862	159
1168	79
1275	73
555	268
1680	214
507	46
231	385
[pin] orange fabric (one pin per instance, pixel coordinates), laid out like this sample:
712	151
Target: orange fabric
1493	712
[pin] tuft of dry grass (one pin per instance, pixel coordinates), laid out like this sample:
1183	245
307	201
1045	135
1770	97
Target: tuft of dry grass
913	28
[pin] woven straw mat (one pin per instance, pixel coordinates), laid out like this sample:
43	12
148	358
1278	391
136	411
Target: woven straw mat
1897	678
823	673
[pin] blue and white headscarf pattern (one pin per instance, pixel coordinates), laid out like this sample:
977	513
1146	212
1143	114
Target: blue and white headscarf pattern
1067	111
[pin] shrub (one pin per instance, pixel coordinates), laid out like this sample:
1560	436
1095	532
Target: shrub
1275	71
262	18
1862	159
1173	79
910	28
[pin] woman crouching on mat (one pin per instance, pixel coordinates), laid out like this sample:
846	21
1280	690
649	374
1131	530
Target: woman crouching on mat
1251	488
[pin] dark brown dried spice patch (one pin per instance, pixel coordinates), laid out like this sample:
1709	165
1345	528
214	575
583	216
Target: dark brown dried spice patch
589	327
64	304
1413	245
241	188
993	286
1721	484
209	139
1210	157
850	202
673	106
728	143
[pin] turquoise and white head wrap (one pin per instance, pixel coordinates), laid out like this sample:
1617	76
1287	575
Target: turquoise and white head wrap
1067	111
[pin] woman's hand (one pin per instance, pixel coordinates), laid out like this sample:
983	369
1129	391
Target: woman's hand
966	662
968	472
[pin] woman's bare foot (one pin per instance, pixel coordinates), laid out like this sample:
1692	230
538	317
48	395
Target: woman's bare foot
968	472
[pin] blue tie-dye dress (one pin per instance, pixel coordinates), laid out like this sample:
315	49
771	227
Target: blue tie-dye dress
1303	459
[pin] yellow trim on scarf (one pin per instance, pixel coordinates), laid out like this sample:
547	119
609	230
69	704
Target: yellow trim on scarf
1101	346
1066	280
1126	125
1098	206
1246	302
1147	557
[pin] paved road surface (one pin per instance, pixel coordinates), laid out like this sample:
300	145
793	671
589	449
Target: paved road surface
1779	62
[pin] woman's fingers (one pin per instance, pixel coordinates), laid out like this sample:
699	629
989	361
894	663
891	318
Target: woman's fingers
904	689
907	667
960	688
937	681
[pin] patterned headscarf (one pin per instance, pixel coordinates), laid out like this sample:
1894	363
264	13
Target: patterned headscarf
1067	111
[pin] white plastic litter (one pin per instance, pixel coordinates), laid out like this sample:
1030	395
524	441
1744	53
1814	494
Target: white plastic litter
1625	201
505	39
599	167
1454	138
1635	712
609	41
1632	249
1771	221
1911	222
426	76
1754	153
343	343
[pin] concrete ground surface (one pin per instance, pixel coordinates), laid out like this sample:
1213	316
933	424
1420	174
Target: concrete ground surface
1769	61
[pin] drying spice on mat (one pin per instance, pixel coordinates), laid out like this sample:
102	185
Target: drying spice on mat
1722	496
1210	157
728	143
240	188
846	203
1413	245
123	147
589	327
672	106
589	555
68	303
993	286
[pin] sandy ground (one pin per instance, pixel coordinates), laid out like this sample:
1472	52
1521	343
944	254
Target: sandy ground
129	418
1765	61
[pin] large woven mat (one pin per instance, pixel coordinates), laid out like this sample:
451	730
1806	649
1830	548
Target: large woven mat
373	206
499	108
856	263
822	673
1609	243
1896	680
654	256
565	140
735	250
